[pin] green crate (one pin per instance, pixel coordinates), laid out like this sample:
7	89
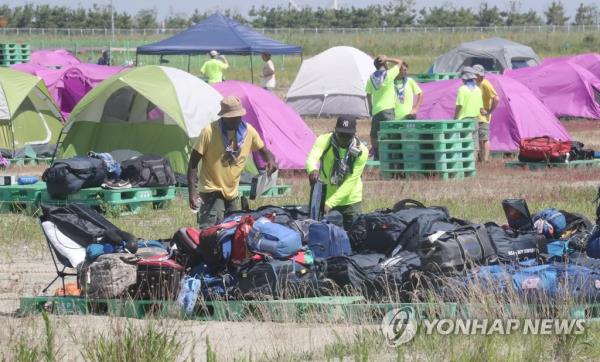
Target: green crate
429	165
30	161
442	125
387	146
9	63
431	136
21	198
444	175
466	154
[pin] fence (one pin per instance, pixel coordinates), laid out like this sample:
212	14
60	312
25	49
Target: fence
163	31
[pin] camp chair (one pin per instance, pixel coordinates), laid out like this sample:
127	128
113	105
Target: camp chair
58	258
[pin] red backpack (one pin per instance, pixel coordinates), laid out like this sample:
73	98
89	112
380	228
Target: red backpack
202	245
239	244
544	149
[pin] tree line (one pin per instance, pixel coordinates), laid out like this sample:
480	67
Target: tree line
394	13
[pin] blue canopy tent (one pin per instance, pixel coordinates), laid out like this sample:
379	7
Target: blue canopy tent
220	33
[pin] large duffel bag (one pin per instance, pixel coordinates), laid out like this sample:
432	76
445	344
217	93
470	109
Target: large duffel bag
148	171
392	276
351	273
157	279
109	276
512	246
544	149
68	176
277	240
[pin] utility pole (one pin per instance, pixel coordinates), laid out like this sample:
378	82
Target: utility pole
335	4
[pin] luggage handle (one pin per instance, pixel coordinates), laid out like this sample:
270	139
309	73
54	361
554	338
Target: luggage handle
408	204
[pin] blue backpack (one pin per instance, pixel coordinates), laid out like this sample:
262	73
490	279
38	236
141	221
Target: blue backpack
328	240
278	240
555	218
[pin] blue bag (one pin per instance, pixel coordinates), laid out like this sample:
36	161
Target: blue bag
537	281
328	240
278	240
593	246
555	218
188	293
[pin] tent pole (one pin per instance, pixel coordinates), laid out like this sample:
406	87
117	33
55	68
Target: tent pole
251	68
136	58
189	59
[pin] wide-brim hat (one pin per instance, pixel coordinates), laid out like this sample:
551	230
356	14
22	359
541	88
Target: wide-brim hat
468	73
231	107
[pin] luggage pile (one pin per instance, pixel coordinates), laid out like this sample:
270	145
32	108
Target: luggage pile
400	254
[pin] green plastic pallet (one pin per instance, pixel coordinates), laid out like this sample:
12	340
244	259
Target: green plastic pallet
373	163
422	125
456	174
428	156
387	146
429	165
21	198
433	77
127	200
8	63
431	136
544	165
30	161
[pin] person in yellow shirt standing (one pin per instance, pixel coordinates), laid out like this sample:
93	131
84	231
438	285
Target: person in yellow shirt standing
223	146
406	91
338	159
490	102
469	102
213	69
381	96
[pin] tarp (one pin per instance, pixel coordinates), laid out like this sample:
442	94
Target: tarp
69	84
283	130
494	54
332	83
151	109
222	34
57	58
568	89
589	61
520	114
28	116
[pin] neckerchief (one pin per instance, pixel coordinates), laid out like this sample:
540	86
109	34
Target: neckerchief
378	77
400	88
240	136
471	83
342	167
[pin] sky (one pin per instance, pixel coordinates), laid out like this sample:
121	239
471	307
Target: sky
184	7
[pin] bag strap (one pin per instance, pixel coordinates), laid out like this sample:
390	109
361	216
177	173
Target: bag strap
408	204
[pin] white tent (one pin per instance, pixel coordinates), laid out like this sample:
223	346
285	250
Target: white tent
332	83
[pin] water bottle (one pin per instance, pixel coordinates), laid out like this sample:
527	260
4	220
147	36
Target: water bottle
27	180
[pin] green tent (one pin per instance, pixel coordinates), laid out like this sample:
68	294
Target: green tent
151	109
28	115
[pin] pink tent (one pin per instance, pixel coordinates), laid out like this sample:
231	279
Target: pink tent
68	85
520	113
58	58
282	129
589	61
568	89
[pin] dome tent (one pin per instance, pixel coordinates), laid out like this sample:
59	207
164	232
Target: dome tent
590	61
494	54
282	129
151	109
568	89
520	114
332	83
28	116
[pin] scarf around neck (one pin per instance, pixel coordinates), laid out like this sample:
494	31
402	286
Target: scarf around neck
378	77
400	88
233	147
342	167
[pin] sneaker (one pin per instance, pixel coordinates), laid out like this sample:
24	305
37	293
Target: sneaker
116	185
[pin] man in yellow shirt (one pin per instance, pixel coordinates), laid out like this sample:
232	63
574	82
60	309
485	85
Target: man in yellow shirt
469	102
223	146
490	102
381	96
406	91
338	159
213	69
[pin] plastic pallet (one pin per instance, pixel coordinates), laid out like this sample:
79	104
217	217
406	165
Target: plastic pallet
128	200
387	146
431	136
10	57
30	161
428	156
449	125
444	175
449	166
545	165
21	198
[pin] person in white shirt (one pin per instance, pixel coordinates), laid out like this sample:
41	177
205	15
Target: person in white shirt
268	72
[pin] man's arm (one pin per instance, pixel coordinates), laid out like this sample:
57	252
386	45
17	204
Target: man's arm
192	178
495	102
270	159
314	156
225	62
396	61
457	111
417	105
369	103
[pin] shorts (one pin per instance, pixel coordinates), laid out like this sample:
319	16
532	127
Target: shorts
483	131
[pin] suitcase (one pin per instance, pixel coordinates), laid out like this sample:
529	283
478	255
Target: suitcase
157	279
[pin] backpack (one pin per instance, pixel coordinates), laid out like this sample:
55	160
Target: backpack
512	247
544	148
350	273
148	171
274	239
327	240
577	231
578	152
391	278
109	276
68	176
554	218
239	243
211	245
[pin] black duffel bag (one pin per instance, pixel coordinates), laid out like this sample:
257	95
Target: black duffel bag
512	246
148	171
68	176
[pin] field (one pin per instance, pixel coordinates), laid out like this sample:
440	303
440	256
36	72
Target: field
25	264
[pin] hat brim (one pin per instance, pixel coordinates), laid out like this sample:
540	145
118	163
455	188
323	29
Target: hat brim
232	114
468	76
344	130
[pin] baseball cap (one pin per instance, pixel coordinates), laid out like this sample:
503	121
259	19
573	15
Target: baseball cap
213	53
479	69
346	124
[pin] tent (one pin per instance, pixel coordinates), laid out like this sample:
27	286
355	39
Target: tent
566	88
222	34
519	115
494	54
589	61
28	116
58	58
283	130
68	85
151	109
332	83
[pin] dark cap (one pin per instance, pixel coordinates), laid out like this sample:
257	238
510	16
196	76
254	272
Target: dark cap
346	124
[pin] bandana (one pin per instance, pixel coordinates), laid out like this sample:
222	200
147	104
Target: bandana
378	77
400	87
232	152
342	167
471	83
